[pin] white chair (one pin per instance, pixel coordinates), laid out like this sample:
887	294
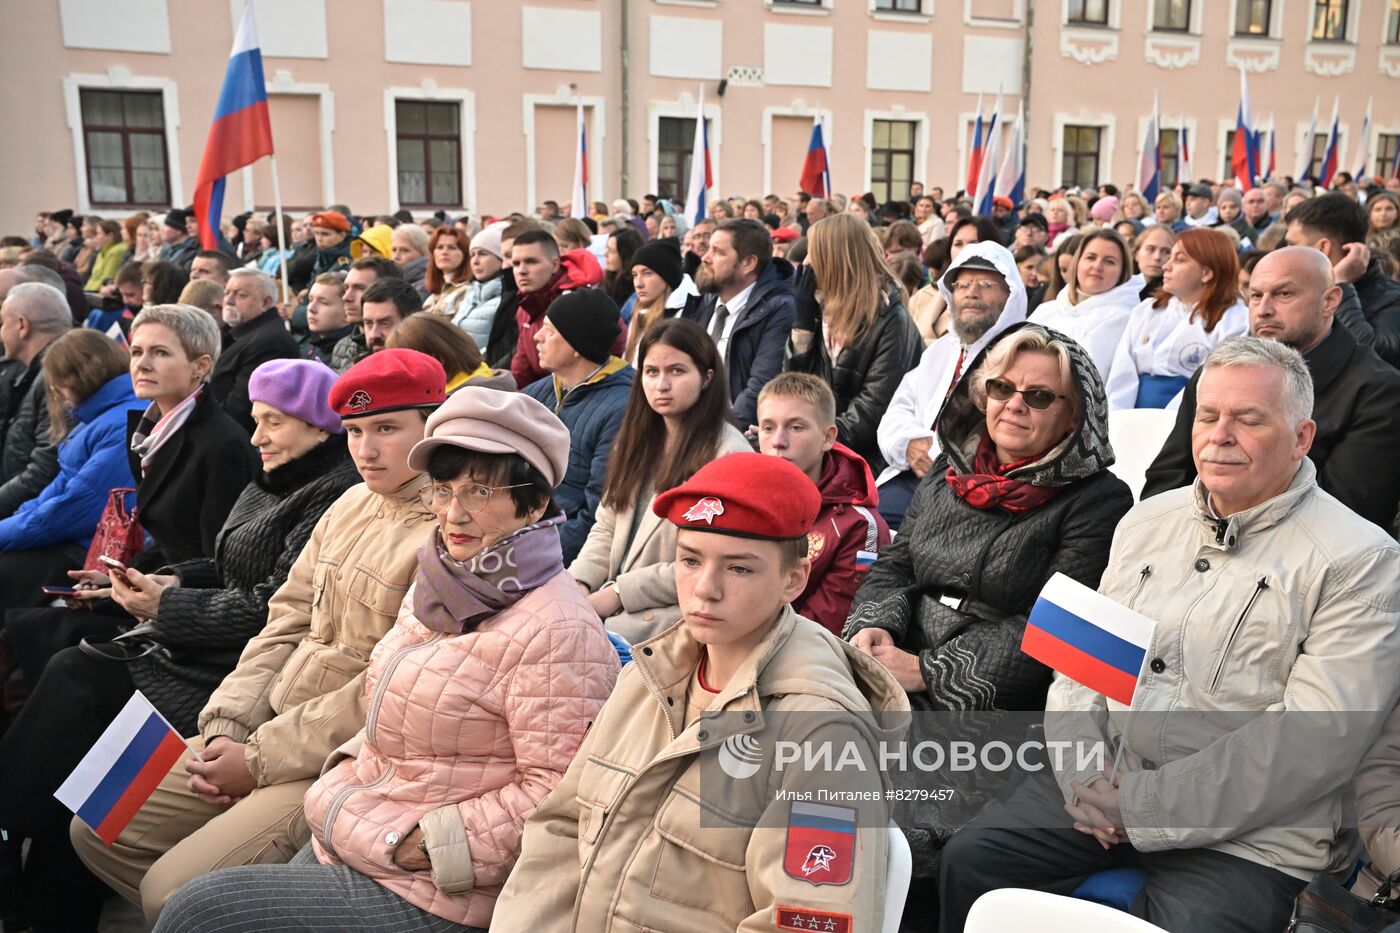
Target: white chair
1010	909
897	873
1137	435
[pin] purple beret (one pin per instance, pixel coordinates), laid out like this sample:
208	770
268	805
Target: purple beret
299	388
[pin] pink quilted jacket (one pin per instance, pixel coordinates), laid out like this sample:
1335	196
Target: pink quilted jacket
464	736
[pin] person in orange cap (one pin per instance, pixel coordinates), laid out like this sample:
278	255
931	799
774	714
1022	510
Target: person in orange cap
677	812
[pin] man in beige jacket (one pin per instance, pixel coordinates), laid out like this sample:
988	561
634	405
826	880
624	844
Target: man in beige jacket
1273	664
675	813
298	690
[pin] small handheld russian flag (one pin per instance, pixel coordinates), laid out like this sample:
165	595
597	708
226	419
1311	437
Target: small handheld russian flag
1088	637
122	769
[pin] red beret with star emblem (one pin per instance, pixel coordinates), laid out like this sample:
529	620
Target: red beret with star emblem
390	380
746	495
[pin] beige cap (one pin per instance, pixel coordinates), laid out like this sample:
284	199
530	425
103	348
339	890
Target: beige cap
496	422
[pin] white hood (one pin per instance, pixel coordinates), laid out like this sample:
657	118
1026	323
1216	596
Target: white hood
683	291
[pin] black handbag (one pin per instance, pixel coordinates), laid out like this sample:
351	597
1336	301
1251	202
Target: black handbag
1327	907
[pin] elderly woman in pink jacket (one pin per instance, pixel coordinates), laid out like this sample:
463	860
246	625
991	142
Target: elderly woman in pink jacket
477	699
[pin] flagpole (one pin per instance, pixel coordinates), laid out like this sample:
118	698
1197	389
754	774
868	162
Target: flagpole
281	229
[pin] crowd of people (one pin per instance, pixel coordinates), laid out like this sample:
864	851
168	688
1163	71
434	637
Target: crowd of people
450	557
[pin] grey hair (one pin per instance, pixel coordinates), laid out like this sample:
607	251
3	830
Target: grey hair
43	306
265	281
1032	338
32	272
1255	351
416	236
193	327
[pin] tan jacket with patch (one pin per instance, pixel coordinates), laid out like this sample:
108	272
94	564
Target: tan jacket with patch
621	843
297	692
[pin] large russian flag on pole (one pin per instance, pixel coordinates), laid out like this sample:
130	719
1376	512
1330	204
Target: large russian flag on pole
119	772
241	133
974	160
1331	157
1011	177
1244	157
697	202
816	171
578	198
1088	637
1150	167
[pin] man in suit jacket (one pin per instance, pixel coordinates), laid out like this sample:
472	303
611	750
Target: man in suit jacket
1292	299
748	309
255	334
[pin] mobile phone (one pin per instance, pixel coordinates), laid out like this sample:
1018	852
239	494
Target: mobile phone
66	591
111	562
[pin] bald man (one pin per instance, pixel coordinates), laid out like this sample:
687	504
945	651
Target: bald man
1292	299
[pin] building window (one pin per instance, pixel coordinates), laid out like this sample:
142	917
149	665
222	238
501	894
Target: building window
1387	147
430	153
1088	12
1319	153
1080	166
674	151
1171	15
1252	17
891	159
1228	170
1330	20
1170	143
1392	24
124	137
903	6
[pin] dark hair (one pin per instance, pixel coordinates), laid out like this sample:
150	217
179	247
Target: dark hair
533	491
388	220
538	237
909	271
750	238
903	234
383	268
1109	190
1069	244
128	274
640	452
223	259
45	258
166	279
937	255
791	550
518	228
987	230
404	214
433	277
1029	252
1336	216
397	292
112	229
436	336
279	236
628	241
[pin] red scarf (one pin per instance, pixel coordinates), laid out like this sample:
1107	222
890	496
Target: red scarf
987	487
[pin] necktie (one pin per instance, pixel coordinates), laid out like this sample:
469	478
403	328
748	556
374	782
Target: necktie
721	315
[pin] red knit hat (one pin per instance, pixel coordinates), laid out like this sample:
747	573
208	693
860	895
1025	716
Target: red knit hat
747	495
390	380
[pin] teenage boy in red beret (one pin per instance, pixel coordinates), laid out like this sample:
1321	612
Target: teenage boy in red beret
297	693
676	813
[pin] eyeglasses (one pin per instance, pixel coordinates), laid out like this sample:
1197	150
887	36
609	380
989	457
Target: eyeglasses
976	285
999	390
474	498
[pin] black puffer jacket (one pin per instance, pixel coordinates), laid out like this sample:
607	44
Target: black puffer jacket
204	622
865	375
971	657
28	462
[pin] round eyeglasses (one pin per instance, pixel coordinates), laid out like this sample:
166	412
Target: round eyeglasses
473	498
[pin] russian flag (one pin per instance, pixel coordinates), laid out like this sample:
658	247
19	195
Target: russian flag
1330	158
1363	142
974	161
579	205
241	133
816	171
1150	168
1011	177
985	192
697	203
119	772
1244	157
1185	173
1088	637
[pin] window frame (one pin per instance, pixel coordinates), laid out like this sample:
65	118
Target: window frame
1391	35
1071	178
686	152
893	7
1245	9
890	152
1343	7
1170	157
125	132
1082	18
1183	29
427	138
1387	145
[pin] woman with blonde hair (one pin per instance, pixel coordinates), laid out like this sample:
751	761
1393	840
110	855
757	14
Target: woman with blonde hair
1061	220
661	290
1100	292
857	336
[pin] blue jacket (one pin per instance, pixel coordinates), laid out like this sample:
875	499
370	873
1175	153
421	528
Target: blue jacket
759	337
593	413
92	461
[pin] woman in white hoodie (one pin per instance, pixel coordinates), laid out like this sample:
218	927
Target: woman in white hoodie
1101	291
1170	334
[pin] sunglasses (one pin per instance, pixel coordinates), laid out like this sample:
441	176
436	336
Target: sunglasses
999	390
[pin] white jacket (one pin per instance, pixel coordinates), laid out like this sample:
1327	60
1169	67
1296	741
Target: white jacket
1096	322
1165	341
1269	675
923	389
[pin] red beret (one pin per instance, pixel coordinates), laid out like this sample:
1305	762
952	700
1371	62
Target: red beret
330	220
784	235
389	380
747	495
